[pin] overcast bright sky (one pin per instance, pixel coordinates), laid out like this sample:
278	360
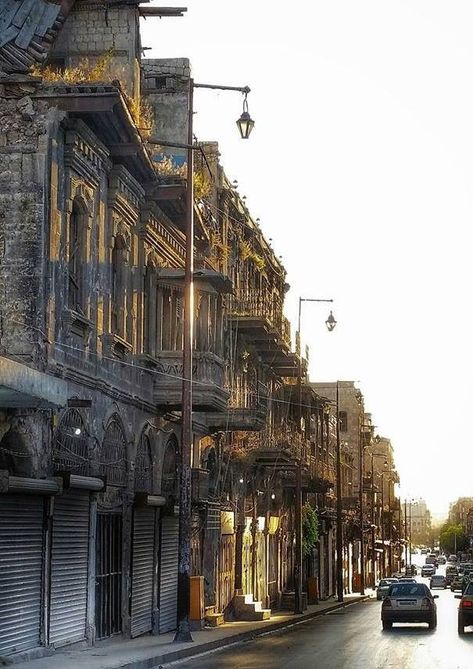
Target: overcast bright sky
360	168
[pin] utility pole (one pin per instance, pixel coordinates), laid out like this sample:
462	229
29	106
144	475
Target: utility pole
183	630
339	511
360	497
405	531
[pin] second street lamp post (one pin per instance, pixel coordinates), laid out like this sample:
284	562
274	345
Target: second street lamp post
245	125
330	323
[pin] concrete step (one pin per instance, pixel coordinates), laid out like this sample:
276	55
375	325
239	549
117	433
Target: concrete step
242	599
214	619
246	609
263	614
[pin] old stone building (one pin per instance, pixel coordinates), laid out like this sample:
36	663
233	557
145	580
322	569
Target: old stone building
92	252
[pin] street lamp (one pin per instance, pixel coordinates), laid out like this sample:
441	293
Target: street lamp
298	557
245	125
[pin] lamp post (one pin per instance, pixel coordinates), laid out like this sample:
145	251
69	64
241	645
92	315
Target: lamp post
373	559
330	323
339	564
245	125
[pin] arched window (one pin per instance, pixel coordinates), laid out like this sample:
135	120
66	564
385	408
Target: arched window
71	445
169	486
113	454
143	465
76	259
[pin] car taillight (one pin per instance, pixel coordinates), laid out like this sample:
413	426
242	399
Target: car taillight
386	602
467	604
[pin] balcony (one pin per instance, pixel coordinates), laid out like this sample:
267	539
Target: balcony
208	391
243	414
259	316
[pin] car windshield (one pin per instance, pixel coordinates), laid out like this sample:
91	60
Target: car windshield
407	589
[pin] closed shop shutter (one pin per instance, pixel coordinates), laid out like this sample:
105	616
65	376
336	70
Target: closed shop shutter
142	571
69	569
21	567
168	574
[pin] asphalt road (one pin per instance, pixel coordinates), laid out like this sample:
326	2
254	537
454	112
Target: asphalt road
353	639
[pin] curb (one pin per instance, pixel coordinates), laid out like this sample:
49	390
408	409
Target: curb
186	653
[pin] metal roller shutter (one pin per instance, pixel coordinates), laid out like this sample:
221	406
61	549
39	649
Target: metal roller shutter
168	574
21	567
142	571
69	569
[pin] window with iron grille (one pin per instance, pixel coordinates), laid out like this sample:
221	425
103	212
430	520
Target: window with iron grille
113	454
71	445
143	465
76	258
118	287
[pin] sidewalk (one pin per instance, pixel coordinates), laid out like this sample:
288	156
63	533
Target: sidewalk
148	652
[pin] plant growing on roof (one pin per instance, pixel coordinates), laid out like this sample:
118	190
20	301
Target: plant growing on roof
202	185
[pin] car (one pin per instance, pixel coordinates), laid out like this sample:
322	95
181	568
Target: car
452	558
383	587
442	559
465	608
427	570
431	559
457	583
438	581
450	572
411	570
423	551
407	579
409	603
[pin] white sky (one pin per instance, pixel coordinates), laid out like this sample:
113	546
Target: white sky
360	168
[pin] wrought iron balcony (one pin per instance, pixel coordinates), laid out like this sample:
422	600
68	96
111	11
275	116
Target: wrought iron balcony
208	389
259	316
246	413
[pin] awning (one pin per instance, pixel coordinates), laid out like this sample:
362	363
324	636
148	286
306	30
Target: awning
25	387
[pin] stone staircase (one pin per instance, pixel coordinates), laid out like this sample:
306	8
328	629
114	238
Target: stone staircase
212	618
246	609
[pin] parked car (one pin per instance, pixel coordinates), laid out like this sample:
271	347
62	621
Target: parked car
465	608
428	570
409	603
457	583
438	581
383	587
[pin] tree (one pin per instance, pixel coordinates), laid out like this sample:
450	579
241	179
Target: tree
453	538
310	529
